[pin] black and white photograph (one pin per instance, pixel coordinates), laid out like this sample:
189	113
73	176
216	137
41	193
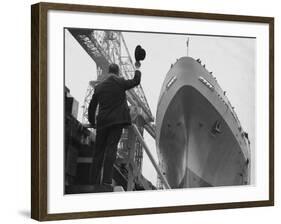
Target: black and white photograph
151	111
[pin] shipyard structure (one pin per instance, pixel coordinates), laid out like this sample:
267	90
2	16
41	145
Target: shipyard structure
106	47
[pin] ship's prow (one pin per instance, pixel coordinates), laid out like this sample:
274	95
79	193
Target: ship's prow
199	138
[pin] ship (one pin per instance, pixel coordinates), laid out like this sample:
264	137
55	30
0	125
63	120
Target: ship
199	138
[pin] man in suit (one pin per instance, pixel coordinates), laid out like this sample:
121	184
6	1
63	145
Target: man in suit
113	116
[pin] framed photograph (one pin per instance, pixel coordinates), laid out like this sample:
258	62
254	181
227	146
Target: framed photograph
141	111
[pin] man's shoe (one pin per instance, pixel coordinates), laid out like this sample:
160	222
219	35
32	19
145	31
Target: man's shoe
98	188
107	187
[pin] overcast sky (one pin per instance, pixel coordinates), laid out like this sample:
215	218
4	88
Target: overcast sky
232	61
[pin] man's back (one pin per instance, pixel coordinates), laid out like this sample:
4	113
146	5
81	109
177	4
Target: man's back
111	97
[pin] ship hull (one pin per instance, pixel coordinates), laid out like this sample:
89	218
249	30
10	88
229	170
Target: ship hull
196	138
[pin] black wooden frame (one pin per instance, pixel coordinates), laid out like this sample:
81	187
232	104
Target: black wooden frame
39	110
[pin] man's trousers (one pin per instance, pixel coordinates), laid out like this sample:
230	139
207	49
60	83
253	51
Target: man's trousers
104	154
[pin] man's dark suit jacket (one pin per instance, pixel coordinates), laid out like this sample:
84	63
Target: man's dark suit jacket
110	95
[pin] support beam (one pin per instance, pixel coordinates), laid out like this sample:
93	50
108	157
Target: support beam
162	177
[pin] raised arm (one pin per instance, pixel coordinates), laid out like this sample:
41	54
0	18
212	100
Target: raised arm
130	83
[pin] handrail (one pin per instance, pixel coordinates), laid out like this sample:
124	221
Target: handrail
146	149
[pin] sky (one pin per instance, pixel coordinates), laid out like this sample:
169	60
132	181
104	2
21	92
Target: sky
231	59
